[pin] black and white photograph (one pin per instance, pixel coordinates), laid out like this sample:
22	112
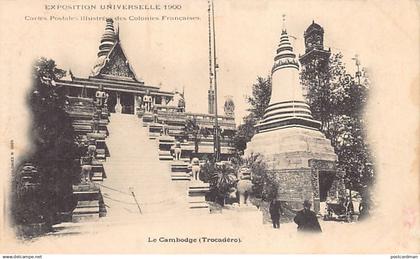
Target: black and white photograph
210	127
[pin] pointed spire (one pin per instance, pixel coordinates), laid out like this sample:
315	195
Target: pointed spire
287	107
108	38
284	23
285	57
117	32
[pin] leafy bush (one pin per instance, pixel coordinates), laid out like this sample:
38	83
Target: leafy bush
194	132
221	177
265	182
54	153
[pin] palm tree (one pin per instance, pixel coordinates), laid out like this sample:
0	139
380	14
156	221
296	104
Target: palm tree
192	128
222	179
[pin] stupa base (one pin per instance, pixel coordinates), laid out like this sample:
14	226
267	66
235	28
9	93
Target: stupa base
304	162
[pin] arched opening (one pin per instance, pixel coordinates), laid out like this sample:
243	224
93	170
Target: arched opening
326	180
127	103
112	101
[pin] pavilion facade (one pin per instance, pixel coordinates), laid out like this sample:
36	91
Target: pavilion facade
113	72
128	94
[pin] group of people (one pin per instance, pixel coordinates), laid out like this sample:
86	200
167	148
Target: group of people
305	219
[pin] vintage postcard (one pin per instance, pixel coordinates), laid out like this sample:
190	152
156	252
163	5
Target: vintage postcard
209	126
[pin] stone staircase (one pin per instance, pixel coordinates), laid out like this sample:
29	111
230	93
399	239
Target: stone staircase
89	122
165	145
90	205
98	172
196	195
137	182
180	170
147	118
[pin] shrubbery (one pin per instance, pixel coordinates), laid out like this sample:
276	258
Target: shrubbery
54	152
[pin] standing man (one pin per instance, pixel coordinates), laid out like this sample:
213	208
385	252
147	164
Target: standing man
275	211
307	220
155	115
363	210
348	204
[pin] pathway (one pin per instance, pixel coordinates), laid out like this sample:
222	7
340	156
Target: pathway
134	167
134	163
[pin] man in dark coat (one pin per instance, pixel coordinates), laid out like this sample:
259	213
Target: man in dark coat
275	210
306	219
363	210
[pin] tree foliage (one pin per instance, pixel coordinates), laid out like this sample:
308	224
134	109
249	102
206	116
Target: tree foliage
258	101
337	99
244	133
261	94
221	177
319	80
26	193
193	130
265	182
54	151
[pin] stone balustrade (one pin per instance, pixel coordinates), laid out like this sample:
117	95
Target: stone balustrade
197	195
90	124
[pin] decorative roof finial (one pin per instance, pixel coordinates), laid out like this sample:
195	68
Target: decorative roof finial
358	72
117	32
285	57
284	22
356	59
108	38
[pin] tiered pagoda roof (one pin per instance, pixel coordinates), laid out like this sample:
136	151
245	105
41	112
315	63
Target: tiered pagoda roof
112	69
112	62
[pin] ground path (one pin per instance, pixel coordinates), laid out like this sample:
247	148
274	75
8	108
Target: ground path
134	166
134	163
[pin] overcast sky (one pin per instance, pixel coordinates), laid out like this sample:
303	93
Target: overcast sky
175	54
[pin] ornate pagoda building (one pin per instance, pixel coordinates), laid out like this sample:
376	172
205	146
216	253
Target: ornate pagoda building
157	109
289	138
113	72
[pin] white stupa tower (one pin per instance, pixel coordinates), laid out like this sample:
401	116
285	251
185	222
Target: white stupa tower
289	138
